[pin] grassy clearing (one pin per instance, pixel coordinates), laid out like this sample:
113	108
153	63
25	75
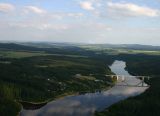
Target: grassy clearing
20	54
24	54
117	51
60	63
145	52
91	78
125	51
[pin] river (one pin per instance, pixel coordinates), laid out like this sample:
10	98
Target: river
87	104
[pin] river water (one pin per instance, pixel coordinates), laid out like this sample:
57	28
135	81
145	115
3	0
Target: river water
87	104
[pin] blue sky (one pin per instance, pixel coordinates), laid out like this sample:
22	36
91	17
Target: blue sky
84	21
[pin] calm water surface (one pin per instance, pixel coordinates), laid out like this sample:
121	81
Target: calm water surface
86	105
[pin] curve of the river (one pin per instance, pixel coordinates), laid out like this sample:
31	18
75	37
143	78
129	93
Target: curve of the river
87	104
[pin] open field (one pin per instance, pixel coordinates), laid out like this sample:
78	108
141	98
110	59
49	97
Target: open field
20	54
116	51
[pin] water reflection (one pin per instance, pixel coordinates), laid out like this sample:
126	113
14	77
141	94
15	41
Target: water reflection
85	105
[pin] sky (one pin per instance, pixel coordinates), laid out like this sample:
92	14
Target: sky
81	21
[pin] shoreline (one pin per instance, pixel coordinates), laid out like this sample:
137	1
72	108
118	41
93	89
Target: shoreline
43	103
98	113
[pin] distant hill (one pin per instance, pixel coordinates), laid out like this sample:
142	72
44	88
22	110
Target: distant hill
13	46
48	48
71	48
125	46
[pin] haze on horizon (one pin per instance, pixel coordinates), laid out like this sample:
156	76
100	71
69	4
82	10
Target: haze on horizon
81	21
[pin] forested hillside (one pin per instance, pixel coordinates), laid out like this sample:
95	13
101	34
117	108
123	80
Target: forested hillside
40	74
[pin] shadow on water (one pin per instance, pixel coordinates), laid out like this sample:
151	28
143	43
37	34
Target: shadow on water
32	106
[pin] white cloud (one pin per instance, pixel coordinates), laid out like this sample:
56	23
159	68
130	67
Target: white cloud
76	15
50	15
110	9
87	5
62	15
34	9
130	9
40	26
5	7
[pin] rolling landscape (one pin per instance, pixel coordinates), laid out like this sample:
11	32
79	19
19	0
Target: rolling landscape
31	76
79	57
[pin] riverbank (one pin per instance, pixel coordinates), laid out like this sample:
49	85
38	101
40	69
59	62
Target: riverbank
147	103
37	105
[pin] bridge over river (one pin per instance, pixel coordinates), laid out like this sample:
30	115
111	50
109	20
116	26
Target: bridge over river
123	80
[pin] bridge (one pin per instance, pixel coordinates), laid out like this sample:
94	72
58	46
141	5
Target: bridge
123	80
